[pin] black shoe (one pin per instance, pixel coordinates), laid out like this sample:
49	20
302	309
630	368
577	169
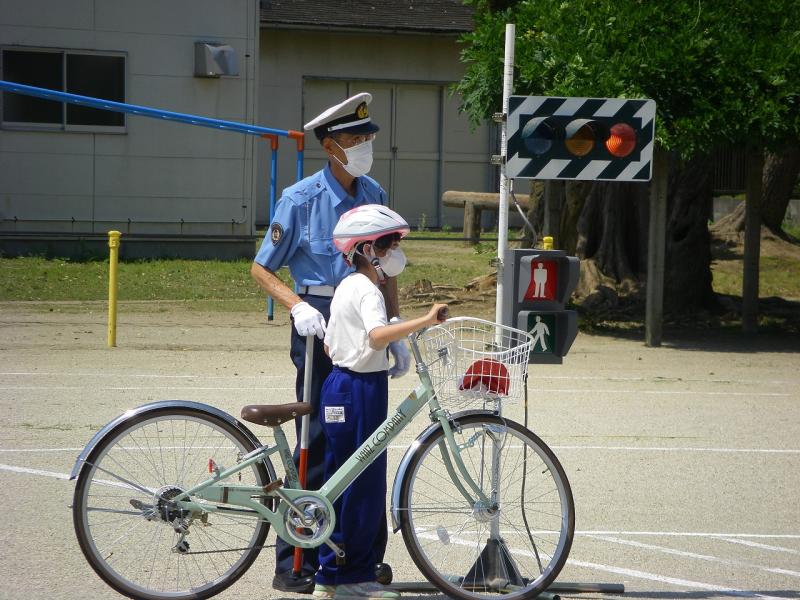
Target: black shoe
289	581
383	574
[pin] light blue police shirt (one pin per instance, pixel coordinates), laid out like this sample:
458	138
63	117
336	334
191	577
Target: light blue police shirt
301	233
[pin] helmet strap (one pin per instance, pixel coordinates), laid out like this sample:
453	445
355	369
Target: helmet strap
375	262
377	266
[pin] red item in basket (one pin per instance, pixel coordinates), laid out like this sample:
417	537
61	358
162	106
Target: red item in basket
486	375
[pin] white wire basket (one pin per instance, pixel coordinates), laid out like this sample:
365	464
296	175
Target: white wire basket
475	362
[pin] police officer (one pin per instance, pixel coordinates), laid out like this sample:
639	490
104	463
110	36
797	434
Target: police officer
301	236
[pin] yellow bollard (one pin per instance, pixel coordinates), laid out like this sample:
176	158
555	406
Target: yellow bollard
547	242
113	257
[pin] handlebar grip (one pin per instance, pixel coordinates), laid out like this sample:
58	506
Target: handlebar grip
443	314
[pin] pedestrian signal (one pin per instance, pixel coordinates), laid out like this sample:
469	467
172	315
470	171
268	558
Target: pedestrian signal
539	284
580	138
553	333
543	281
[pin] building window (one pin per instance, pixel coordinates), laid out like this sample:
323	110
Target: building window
85	73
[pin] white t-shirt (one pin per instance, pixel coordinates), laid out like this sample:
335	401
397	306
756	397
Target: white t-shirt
356	309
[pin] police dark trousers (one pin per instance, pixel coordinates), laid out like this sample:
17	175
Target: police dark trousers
361	509
315	477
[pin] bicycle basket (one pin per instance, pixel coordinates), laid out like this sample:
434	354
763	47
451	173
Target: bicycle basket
472	361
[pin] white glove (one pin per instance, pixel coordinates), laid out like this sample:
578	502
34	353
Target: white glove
308	320
402	359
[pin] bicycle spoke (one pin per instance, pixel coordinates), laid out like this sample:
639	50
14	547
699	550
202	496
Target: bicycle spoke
137	549
450	540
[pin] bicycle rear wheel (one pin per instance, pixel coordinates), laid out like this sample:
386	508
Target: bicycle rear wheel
130	532
515	546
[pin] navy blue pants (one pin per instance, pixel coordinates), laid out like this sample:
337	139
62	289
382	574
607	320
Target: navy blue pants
352	406
315	476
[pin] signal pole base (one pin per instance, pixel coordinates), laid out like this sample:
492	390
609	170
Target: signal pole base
493	569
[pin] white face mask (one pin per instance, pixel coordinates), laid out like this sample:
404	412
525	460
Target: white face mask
393	262
359	158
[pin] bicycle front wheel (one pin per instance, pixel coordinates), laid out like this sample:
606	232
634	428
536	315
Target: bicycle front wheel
139	542
514	545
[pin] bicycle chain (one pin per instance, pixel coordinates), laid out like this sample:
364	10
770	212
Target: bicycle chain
231	550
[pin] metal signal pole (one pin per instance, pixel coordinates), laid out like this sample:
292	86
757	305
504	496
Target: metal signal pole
502	221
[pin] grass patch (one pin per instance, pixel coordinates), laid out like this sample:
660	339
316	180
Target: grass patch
777	276
35	278
205	285
451	264
792	228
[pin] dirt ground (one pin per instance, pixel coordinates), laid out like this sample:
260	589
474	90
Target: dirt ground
621	308
684	460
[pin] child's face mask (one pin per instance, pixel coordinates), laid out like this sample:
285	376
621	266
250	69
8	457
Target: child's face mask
390	265
393	262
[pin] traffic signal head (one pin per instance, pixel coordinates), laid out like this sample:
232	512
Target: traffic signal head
538	284
580	138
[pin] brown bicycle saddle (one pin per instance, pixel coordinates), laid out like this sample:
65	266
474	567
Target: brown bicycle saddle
273	415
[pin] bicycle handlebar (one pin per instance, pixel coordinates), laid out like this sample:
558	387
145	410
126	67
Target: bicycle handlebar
442	315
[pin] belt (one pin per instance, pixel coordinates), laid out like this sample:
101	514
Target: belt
317	290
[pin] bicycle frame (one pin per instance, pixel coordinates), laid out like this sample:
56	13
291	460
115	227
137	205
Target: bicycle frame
250	498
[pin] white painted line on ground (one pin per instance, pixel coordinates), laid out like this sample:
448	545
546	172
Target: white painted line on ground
789	536
292	376
553	391
392	389
40	449
145	375
595	391
662	379
404	447
186	388
33	471
761	546
722	536
680	449
632	573
685	554
671	580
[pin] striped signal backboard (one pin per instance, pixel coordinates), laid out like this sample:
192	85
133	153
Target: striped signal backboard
543	133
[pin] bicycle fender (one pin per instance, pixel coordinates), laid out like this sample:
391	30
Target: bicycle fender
412	449
153	406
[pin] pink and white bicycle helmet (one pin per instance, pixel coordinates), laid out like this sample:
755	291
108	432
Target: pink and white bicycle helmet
366	223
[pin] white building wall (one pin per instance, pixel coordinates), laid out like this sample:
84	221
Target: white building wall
158	173
294	67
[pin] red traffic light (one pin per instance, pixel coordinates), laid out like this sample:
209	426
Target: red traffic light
621	140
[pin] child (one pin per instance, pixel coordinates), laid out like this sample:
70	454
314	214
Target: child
354	397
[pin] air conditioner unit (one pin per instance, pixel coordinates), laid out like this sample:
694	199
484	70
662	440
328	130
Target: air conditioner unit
212	59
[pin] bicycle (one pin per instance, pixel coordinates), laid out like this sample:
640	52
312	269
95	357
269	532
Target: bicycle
484	506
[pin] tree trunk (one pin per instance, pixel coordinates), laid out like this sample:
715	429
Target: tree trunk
576	193
535	214
780	176
610	230
613	231
688	258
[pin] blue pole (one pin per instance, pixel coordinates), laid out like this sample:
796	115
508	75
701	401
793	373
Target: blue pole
273	187
155	113
300	153
144	111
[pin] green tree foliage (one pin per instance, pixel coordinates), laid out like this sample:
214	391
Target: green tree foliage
719	70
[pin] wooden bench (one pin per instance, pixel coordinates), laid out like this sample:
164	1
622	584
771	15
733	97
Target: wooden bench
474	203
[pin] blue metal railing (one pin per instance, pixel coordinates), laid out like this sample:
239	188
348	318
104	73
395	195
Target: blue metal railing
156	113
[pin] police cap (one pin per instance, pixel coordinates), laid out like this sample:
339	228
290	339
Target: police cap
350	116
